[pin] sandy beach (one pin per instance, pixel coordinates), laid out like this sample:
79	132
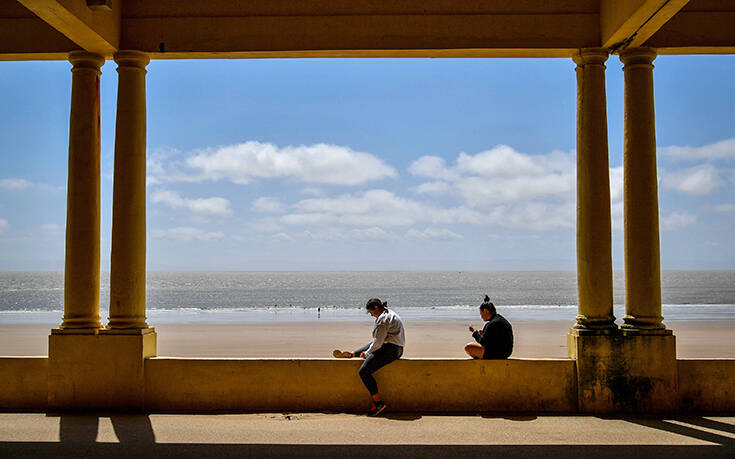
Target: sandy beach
424	339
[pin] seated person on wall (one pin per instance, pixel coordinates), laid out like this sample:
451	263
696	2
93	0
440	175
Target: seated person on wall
386	347
495	340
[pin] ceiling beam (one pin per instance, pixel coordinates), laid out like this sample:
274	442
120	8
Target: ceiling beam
362	35
628	23
95	30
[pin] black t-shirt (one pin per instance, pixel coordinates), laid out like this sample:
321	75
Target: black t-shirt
496	338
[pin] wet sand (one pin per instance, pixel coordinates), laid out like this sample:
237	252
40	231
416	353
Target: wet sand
424	339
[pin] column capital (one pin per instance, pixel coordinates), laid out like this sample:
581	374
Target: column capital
132	58
595	56
85	60
634	57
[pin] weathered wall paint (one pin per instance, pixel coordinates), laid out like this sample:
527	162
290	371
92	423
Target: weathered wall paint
625	373
707	385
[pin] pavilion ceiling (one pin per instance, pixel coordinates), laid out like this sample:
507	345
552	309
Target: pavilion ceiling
177	29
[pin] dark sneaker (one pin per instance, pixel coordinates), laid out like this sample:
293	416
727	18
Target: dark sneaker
376	408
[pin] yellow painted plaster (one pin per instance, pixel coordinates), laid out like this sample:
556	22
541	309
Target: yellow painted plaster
23	383
330	385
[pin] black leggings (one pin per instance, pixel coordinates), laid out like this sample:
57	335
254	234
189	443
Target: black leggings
387	353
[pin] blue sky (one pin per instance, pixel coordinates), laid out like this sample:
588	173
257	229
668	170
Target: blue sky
369	163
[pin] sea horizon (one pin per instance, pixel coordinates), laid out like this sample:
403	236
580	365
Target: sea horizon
256	296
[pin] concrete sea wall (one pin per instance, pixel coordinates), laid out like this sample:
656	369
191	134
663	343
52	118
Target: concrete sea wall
231	385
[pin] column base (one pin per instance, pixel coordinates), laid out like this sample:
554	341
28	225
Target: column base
98	369
632	330
625	372
75	331
650	325
581	330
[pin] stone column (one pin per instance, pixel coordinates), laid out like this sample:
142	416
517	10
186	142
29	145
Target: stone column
642	252
594	240
82	265
127	274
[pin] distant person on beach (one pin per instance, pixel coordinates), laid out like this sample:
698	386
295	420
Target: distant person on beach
386	346
495	340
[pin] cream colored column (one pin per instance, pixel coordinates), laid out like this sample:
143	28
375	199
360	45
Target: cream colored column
82	265
642	253
594	246
127	275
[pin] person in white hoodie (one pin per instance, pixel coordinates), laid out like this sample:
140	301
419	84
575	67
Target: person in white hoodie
387	345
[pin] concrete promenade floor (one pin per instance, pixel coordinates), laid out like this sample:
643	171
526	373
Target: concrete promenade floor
298	435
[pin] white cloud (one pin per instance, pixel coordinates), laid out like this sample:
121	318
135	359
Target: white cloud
282	237
314	191
186	234
267	225
319	163
372	234
212	206
432	167
306	218
17	184
724	208
533	215
479	192
157	166
375	207
434	234
698	180
3	225
267	205
616	196
724	149
324	235
508	188
502	175
501	161
676	220
433	188
14	184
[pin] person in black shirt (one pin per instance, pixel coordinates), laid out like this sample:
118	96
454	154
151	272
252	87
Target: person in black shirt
495	341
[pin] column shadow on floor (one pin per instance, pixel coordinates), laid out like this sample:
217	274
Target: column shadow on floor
78	438
83	428
691	430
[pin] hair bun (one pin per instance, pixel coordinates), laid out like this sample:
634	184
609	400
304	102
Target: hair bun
487	298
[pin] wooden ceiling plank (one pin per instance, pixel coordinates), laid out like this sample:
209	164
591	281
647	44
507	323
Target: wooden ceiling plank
697	32
95	31
31	38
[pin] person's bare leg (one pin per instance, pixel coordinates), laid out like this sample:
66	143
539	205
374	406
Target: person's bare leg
474	350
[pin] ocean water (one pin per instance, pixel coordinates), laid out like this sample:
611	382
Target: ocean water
416	295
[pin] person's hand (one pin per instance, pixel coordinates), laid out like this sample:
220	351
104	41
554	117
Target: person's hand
363	355
472	329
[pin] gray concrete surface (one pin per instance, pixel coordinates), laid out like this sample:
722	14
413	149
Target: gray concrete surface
298	435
